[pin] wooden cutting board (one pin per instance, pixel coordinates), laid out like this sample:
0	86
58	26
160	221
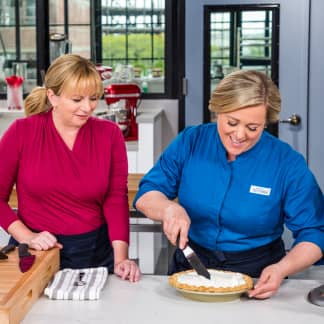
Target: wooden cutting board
19	291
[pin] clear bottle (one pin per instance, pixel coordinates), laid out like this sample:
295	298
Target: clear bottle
144	87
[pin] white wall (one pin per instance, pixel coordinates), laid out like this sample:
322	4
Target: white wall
4	237
170	119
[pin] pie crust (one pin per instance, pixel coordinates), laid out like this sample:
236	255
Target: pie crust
220	282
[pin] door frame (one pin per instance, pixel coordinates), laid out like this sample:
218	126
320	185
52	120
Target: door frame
208	9
293	64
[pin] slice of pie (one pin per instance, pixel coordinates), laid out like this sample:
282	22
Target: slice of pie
220	281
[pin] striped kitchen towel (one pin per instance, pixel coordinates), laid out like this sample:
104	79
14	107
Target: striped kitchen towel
77	284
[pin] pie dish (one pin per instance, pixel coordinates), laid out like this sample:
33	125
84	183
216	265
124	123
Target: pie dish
221	282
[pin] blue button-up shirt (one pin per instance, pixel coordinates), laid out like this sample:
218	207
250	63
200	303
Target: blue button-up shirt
242	204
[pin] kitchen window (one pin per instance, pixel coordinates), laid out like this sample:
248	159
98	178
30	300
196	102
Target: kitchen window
133	34
143	35
17	42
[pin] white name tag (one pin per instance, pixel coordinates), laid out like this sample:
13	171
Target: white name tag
260	190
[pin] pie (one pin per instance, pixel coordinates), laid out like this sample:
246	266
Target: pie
220	281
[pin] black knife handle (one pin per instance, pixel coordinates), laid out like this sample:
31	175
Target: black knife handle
23	250
3	256
8	248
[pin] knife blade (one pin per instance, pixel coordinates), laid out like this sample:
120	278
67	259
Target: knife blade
5	250
3	256
26	259
8	248
195	262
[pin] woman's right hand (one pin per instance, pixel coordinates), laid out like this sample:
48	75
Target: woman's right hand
176	223
43	241
37	241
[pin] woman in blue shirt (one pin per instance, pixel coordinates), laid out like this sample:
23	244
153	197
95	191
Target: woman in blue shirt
237	186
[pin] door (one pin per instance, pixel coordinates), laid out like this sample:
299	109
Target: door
239	37
293	67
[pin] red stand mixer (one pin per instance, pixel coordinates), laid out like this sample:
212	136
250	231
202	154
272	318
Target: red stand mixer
122	100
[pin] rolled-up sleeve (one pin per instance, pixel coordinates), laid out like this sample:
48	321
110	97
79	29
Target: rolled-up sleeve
304	205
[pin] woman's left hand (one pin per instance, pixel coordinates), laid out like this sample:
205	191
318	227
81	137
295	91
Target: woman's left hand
128	270
268	283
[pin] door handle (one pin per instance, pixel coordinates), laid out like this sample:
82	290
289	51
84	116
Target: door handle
294	120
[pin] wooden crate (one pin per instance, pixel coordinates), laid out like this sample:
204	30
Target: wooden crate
19	291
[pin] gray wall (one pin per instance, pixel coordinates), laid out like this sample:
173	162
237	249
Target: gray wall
301	69
316	92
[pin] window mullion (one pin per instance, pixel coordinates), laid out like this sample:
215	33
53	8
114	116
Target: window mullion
17	16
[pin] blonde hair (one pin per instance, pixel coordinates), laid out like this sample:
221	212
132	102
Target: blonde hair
67	73
246	88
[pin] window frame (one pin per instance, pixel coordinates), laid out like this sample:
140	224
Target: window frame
208	10
17	30
174	43
172	7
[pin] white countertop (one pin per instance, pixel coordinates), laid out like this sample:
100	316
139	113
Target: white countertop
153	301
144	115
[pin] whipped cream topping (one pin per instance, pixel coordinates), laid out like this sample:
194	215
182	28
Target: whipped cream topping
217	279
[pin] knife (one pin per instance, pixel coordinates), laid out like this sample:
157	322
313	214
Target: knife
5	250
3	256
195	262
26	260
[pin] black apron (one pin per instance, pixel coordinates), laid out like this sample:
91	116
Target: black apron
250	262
87	250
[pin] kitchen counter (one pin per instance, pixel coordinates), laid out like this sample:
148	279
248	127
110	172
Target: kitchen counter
133	181
152	300
141	154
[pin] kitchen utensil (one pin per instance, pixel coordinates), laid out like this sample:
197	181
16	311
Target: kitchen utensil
20	69
26	259
59	45
195	262
316	296
80	281
6	249
123	100
3	256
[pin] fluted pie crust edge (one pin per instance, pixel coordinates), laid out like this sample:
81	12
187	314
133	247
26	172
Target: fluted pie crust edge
173	281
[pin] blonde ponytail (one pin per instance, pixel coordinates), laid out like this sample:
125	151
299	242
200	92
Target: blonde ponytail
68	72
36	102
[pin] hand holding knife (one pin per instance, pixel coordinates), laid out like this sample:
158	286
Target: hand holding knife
176	223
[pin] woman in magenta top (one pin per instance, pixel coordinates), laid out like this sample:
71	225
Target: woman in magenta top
70	171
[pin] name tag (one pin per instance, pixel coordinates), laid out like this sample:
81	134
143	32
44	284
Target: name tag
260	190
